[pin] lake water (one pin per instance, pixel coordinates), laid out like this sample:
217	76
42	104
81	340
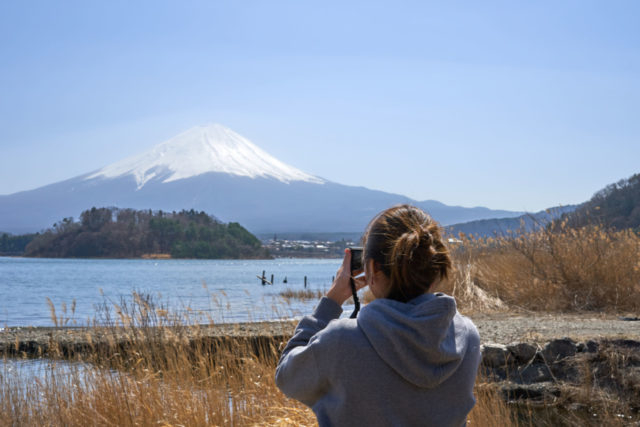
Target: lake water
220	290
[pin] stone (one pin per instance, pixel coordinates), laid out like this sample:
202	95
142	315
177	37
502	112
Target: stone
625	343
522	352
567	371
535	373
544	392
591	346
559	349
494	355
587	347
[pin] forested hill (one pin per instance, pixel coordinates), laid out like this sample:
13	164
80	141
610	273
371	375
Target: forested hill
616	206
14	245
128	233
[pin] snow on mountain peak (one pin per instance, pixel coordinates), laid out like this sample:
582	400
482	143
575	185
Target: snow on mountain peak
202	149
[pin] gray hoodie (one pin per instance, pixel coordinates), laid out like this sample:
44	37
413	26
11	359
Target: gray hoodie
397	364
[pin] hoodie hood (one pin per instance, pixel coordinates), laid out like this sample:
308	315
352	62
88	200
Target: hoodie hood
423	340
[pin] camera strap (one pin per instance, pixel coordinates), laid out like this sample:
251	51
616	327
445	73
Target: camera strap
356	301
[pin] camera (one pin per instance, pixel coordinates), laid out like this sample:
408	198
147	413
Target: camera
356	258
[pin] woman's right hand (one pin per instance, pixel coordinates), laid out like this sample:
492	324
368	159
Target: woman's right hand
340	290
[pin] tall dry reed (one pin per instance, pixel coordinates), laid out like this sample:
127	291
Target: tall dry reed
154	368
561	269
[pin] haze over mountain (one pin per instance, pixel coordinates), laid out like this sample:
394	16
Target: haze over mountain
213	169
503	226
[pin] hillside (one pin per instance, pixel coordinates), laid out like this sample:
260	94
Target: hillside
502	226
127	233
616	206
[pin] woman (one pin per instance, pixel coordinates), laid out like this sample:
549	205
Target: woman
409	358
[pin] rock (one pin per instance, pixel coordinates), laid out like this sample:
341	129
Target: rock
592	346
566	371
522	352
494	355
540	392
624	343
535	373
587	347
559	349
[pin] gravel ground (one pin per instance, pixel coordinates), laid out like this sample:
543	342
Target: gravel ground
505	328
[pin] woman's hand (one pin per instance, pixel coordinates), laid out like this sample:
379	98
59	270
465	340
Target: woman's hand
340	290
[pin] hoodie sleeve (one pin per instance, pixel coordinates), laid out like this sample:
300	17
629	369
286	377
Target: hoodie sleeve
297	373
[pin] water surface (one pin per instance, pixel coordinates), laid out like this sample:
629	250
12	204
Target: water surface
224	290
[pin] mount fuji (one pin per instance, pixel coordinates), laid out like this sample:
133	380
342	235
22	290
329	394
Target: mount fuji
214	169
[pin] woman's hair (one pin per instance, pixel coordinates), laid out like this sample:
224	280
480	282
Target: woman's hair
406	244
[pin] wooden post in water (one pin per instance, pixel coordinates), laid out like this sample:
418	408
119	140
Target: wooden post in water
305	282
272	282
264	278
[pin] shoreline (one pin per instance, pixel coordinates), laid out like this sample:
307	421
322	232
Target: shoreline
496	328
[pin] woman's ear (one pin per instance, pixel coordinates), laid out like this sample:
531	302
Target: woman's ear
376	279
376	267
370	270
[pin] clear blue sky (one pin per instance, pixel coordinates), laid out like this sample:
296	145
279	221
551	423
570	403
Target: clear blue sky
513	105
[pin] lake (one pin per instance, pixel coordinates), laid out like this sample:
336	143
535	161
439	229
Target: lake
216	290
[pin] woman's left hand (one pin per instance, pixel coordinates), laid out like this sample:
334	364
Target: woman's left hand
340	290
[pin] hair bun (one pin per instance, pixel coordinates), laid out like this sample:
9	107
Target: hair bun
415	241
408	242
426	238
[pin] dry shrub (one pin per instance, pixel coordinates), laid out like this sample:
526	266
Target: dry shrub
566	269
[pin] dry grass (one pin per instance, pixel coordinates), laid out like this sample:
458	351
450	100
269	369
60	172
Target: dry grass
157	370
490	409
164	372
587	269
249	398
302	294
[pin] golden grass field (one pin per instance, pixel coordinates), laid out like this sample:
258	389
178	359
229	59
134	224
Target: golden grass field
175	381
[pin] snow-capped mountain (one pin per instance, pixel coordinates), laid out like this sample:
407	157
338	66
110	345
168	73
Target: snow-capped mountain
212	168
200	150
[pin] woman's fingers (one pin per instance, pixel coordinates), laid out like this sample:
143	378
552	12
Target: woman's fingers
346	261
360	282
340	289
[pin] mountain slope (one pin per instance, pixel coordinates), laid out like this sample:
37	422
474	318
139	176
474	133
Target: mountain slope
617	206
215	170
502	226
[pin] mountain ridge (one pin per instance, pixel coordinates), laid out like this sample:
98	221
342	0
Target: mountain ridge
260	192
493	227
